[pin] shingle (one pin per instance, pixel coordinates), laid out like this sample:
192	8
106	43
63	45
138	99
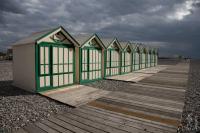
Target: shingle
82	38
107	41
33	37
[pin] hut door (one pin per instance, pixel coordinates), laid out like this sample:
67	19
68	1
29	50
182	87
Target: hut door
44	66
91	64
62	66
137	61
113	63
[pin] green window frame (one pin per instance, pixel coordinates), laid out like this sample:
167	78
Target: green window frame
50	60
93	65
110	64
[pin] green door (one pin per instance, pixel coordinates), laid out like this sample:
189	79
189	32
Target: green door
149	60
44	80
90	69
137	61
112	62
143	63
63	66
56	66
126	62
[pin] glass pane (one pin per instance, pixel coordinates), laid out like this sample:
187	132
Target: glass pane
41	81
60	55
55	55
47	80
46	55
41	55
70	55
41	69
66	79
65	55
55	68
61	80
46	69
55	80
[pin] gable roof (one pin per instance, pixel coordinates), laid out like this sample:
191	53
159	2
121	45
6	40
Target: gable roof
83	38
36	36
108	41
125	45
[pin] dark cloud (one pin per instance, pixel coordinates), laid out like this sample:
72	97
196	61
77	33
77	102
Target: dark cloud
172	25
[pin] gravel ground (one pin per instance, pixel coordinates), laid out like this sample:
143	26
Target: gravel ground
191	111
18	107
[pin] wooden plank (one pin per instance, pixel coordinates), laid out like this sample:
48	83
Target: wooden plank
67	125
148	99
122	120
46	128
145	122
55	126
151	106
80	125
121	126
120	109
33	129
93	123
21	130
140	109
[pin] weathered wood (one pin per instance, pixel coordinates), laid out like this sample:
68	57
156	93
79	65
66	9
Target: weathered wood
75	122
117	125
46	128
21	130
55	126
133	107
122	120
33	129
67	125
146	124
93	123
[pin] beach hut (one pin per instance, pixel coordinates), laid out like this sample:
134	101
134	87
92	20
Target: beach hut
152	57
45	60
112	56
91	57
156	57
135	57
126	58
148	57
143	57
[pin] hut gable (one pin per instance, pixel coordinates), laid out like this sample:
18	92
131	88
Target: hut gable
88	40
55	35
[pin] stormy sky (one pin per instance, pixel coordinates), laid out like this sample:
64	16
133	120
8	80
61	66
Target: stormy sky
171	25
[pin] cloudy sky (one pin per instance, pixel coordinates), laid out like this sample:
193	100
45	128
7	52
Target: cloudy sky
171	25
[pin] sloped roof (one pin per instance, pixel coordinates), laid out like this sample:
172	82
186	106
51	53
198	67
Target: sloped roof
33	37
83	38
107	41
124	44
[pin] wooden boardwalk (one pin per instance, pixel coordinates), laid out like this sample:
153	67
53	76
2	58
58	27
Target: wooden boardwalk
153	105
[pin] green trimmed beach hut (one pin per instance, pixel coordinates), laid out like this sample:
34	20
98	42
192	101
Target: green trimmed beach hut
148	57
156	57
45	60
143	57
135	57
91	57
126	58
112	56
153	52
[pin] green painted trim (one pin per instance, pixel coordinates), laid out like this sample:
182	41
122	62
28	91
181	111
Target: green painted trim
39	38
50	64
109	51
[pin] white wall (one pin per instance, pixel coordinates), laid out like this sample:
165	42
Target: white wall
24	67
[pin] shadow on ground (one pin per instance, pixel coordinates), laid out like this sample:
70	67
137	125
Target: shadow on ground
6	89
